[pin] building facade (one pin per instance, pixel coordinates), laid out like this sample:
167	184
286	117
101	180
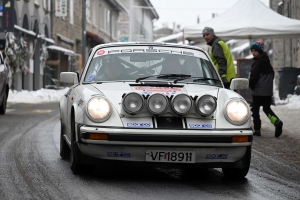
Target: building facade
52	32
139	21
286	52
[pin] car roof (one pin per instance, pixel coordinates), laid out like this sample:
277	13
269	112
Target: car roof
120	44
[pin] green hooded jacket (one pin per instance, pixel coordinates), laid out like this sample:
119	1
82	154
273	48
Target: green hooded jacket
222	59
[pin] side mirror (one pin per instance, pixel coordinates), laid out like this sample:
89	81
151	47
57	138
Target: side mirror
239	84
69	77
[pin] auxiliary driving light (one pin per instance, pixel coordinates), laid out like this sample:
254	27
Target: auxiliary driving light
206	105
133	103
181	104
157	104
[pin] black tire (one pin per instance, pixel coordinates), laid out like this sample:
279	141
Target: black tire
74	153
235	172
64	150
238	173
3	105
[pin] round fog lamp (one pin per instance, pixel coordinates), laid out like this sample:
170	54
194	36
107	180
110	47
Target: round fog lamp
157	104
133	103
206	105
181	104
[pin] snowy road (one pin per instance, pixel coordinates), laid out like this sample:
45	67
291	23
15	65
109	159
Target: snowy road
31	168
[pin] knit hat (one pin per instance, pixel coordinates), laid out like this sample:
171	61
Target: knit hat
208	30
258	46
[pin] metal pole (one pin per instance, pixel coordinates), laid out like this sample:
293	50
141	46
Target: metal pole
83	32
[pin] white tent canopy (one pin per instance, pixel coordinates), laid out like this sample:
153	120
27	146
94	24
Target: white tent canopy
247	19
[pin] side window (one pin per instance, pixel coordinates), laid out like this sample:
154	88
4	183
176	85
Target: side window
93	70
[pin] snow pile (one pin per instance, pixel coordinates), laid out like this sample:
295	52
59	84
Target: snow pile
39	96
291	102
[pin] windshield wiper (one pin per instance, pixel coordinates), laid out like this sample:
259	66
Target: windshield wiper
145	77
182	76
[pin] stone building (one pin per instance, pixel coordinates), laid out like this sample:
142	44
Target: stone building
286	52
53	33
31	25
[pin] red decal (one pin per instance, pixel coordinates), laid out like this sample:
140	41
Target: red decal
100	52
158	89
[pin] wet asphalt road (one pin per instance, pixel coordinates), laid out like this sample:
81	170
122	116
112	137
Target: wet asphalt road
31	168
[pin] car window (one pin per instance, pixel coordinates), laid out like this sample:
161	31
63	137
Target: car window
131	66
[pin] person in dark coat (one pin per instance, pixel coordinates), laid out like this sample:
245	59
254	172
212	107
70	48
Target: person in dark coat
261	85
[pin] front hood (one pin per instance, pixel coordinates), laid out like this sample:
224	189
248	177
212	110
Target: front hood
114	91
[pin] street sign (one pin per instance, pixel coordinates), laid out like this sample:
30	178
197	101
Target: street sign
61	8
7	19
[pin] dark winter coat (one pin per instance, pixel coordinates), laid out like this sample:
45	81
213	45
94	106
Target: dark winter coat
261	76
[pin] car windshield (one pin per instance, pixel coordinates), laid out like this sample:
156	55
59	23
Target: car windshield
151	67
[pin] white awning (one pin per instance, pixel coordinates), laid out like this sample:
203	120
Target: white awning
61	49
32	33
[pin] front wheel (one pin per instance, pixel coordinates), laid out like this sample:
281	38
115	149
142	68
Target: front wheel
3	106
64	150
239	172
74	154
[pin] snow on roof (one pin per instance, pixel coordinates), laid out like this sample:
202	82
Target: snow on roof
30	32
169	37
231	42
240	48
57	48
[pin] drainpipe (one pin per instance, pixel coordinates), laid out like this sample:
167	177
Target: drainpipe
83	32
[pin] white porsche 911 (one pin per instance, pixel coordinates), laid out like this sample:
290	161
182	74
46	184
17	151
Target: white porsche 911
154	104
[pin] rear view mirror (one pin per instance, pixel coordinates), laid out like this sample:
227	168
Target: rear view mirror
239	84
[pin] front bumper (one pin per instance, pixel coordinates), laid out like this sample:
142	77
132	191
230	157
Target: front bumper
212	147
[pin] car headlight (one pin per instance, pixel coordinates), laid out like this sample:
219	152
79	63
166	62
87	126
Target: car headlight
237	112
157	103
133	103
206	105
98	109
181	104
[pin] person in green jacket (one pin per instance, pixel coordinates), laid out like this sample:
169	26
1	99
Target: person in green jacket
220	55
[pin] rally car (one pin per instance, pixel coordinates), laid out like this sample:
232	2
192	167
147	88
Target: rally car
154	104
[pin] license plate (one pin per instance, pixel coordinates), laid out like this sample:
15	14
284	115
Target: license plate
170	156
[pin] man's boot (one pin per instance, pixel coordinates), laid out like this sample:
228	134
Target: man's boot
278	127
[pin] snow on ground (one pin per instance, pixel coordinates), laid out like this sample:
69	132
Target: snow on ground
39	96
50	95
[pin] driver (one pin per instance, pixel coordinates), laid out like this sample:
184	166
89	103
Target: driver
113	71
